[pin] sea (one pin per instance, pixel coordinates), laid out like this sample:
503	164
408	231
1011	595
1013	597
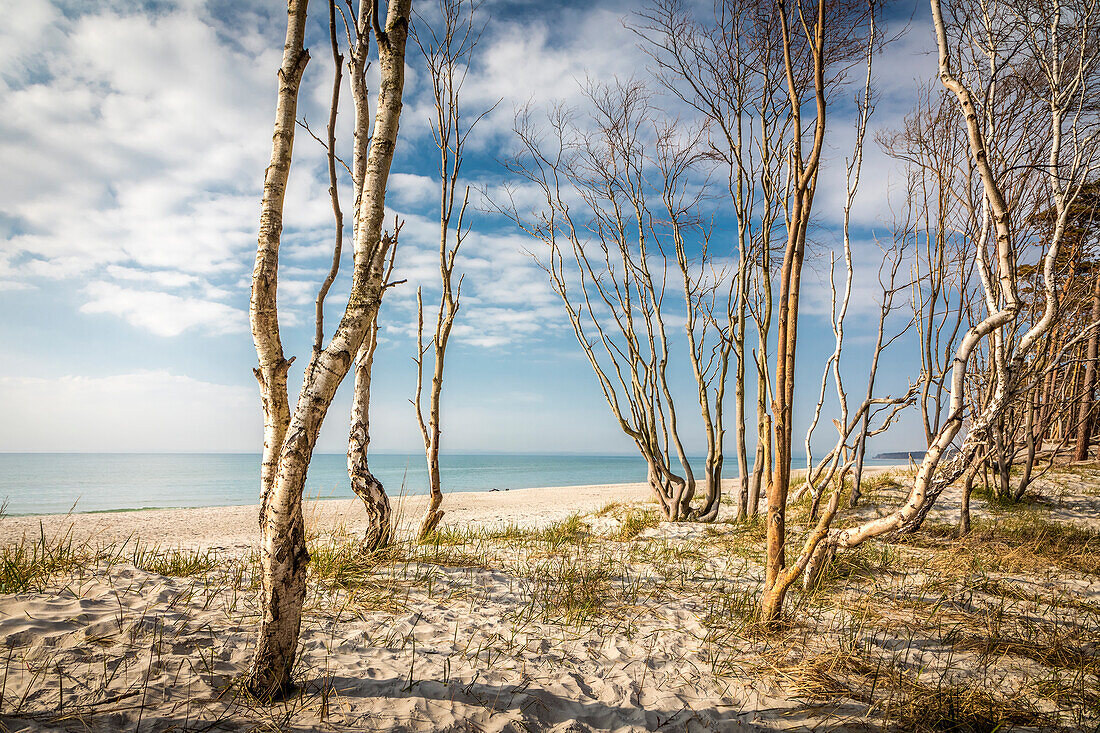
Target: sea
58	483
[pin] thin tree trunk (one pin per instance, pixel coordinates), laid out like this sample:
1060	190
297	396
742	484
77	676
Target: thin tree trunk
379	531
1084	411
739	409
964	504
805	173
1003	488
430	431
433	514
1029	461
278	523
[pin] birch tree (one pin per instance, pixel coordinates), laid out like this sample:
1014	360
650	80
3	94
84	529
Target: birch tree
363	482
1059	41
290	435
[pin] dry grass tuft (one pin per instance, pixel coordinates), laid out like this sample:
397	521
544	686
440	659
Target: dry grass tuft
1022	542
903	697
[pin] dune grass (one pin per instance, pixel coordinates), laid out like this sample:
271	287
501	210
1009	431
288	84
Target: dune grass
918	632
1018	542
637	521
31	563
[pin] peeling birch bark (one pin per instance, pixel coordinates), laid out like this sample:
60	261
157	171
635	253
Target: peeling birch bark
283	554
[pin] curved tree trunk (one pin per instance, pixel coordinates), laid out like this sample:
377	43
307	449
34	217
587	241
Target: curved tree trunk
368	488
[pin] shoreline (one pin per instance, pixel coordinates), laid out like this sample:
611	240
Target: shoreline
235	528
616	622
132	482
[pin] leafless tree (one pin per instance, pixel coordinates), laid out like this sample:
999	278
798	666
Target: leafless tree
1054	48
290	436
618	207
723	67
803	34
803	173
447	56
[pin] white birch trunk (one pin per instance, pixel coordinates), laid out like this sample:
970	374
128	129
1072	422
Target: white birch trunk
283	553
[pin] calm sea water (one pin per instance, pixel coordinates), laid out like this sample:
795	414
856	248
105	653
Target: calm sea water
52	483
46	483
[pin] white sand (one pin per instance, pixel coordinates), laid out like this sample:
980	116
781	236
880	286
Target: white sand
236	527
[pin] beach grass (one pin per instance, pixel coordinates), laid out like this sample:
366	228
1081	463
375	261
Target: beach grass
923	632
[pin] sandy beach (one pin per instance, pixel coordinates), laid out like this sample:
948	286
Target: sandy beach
566	609
236	527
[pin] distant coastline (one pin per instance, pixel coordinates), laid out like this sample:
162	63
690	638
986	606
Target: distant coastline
916	455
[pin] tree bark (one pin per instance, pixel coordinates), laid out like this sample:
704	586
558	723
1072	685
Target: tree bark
283	554
1084	412
379	531
964	505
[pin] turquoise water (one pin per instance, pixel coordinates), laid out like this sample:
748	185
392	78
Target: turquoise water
54	483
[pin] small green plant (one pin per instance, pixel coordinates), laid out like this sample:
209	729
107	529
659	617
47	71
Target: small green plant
637	521
610	508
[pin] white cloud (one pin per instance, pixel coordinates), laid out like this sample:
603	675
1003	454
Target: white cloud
161	278
410	189
134	145
505	297
904	65
140	411
530	60
163	314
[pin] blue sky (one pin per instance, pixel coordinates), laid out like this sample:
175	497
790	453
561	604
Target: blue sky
133	143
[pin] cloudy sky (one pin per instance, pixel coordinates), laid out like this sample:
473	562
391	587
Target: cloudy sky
133	142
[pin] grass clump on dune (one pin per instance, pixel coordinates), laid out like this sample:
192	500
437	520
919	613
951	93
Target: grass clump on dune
568	592
28	565
177	562
1019	542
637	521
906	698
569	531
